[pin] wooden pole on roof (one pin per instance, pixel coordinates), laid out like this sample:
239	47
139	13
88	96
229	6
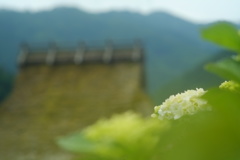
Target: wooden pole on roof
108	53
23	55
80	52
51	55
137	49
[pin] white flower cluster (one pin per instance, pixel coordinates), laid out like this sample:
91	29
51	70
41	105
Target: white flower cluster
176	106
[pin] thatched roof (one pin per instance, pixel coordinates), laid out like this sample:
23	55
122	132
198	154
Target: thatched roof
110	53
51	101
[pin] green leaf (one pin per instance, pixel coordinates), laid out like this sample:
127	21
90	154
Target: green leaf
224	34
226	103
76	143
222	98
227	68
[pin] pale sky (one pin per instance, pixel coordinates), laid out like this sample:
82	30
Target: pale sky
199	11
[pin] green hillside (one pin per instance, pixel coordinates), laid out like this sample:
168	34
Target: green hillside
197	77
6	84
173	45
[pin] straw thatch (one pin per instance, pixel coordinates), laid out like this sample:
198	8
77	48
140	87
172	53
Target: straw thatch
52	101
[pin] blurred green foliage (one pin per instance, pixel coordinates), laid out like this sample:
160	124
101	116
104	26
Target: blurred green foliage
223	34
126	136
227	68
207	135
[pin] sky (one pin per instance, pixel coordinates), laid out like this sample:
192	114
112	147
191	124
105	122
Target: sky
199	11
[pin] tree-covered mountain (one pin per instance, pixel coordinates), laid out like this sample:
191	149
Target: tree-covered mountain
197	77
6	84
172	45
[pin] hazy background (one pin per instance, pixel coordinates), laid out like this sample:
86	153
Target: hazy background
40	103
195	11
169	30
